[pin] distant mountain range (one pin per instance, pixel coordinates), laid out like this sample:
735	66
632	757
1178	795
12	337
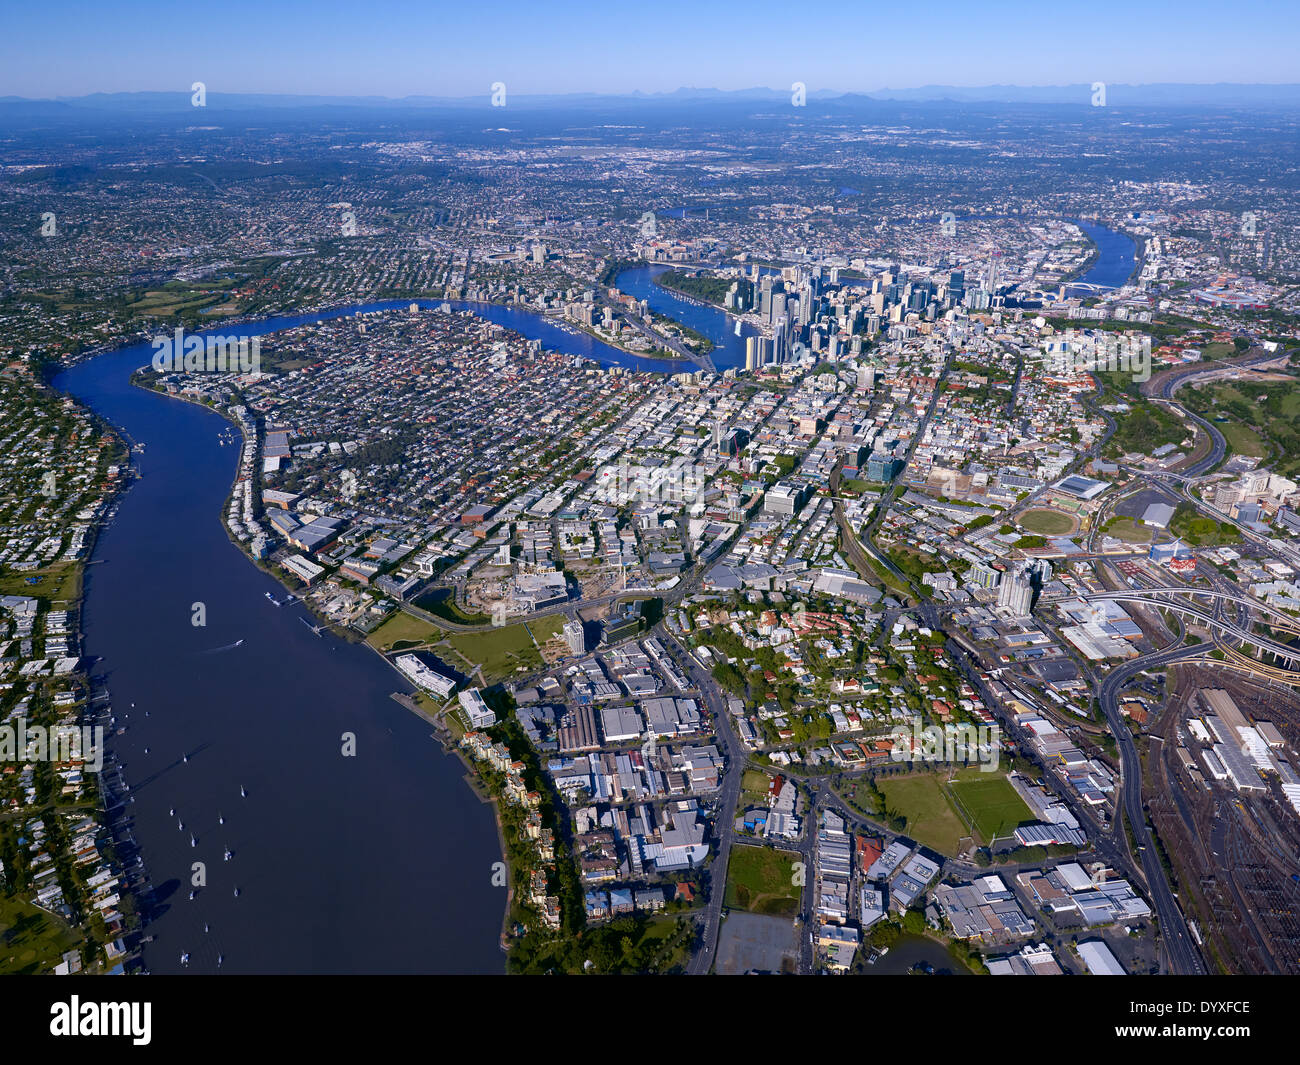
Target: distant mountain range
1117	95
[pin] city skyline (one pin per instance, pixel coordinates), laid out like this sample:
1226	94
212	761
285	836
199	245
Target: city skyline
561	489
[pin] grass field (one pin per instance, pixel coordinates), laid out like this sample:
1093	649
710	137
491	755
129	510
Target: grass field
759	880
1047	522
1242	439
177	297
1128	530
547	628
931	818
59	581
1259	419
404	629
31	940
940	813
1201	531
500	651
990	803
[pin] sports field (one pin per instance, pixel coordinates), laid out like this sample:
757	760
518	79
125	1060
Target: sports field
931	819
1047	522
940	813
990	803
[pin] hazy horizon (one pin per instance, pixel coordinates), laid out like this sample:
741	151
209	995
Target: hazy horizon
390	50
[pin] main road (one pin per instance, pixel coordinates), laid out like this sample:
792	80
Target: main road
728	799
1181	950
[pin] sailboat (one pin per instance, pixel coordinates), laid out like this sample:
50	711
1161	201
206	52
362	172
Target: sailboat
242	793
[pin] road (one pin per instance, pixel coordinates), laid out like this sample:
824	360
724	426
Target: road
728	799
1178	944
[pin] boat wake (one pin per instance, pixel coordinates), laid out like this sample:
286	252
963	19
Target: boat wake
228	647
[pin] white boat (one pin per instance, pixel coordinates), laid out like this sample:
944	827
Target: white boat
227	856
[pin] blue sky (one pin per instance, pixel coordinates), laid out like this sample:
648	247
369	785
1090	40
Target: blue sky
386	48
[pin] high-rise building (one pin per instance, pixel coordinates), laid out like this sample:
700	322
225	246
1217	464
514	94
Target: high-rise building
1016	594
575	638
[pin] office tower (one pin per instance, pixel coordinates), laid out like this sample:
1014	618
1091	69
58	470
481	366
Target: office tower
956	287
779	346
778	306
